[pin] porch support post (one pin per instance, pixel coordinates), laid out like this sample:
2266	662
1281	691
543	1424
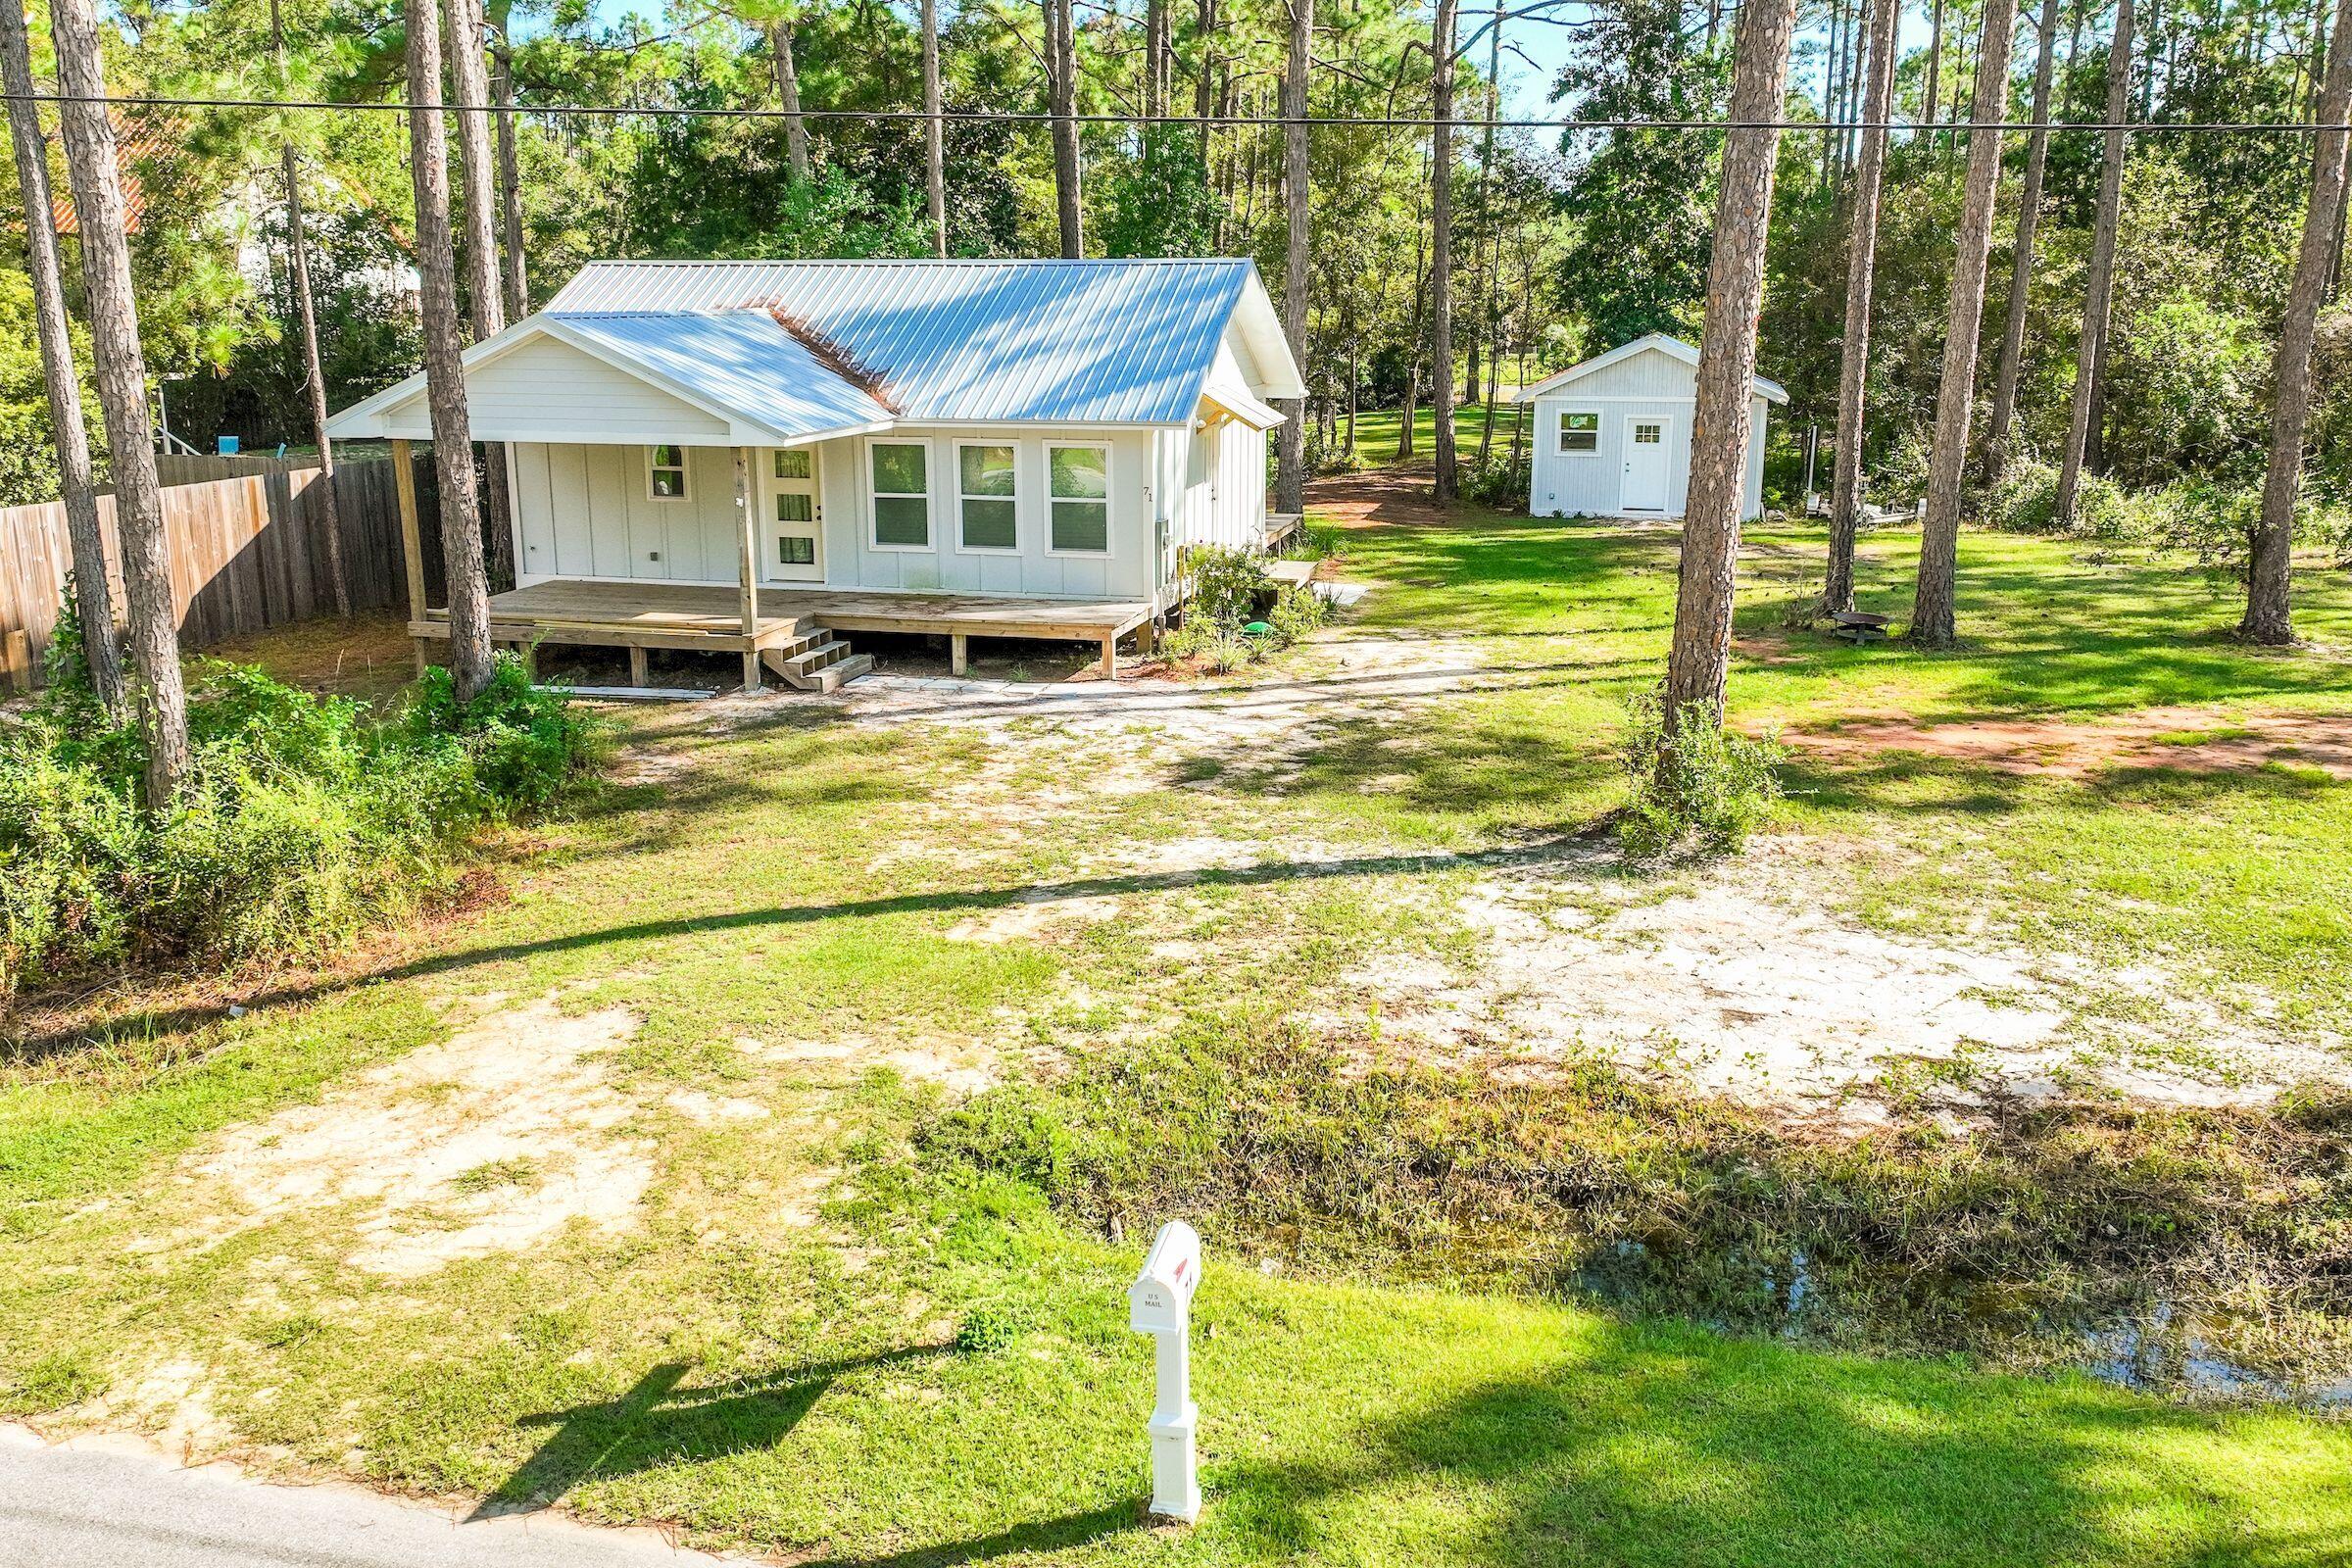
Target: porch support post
748	562
1111	659
958	653
411	547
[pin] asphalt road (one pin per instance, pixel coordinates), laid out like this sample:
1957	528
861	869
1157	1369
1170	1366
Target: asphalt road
104	1507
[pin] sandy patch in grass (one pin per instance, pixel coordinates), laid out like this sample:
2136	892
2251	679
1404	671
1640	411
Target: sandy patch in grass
493	1141
1734	982
2203	739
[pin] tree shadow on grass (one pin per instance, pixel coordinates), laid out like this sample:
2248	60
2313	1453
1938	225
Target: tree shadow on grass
1660	1444
656	1423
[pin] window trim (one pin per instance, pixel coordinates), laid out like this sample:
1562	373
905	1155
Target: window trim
1013	548
929	497
1109	489
683	468
1561	447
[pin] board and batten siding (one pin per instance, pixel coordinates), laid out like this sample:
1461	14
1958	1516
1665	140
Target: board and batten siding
1651	384
589	512
552	388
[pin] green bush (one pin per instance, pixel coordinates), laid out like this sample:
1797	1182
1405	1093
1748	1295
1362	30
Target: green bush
1315	540
1702	785
1228	584
2025	501
303	820
1496	480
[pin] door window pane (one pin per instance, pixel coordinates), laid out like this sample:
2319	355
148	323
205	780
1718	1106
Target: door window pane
1648	435
793	465
669	470
796	550
791	508
1080	486
902	493
985	477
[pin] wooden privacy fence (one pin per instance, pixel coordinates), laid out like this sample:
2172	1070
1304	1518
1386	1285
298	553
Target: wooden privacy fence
247	553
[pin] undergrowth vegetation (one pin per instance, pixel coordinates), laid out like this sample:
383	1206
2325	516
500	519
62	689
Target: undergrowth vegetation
2212	517
305	819
2013	1240
1702	784
1237	614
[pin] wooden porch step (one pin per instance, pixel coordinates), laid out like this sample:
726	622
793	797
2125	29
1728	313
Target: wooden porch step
834	676
820	663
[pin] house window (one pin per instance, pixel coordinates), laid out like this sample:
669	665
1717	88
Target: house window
666	466
796	550
902	472
792	464
1080	490
985	496
1579	432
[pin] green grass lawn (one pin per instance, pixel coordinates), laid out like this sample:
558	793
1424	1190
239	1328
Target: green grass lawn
1376	432
846	1322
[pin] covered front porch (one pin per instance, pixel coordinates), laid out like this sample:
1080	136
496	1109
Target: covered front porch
789	631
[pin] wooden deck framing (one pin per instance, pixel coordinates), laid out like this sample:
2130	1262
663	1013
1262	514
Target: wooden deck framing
638	615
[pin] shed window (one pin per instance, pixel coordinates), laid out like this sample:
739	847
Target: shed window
985	496
668	468
903	494
1579	431
1080	486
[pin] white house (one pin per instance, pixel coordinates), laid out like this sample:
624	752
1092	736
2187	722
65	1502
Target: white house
1613	435
999	447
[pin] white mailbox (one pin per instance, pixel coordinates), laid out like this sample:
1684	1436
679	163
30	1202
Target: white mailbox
1161	1304
1160	1300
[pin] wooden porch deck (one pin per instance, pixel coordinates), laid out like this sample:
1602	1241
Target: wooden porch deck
638	615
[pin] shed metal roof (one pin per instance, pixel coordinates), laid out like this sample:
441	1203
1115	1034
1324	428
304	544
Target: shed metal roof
1113	342
1672	347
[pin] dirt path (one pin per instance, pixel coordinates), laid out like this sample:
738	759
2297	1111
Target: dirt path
2204	739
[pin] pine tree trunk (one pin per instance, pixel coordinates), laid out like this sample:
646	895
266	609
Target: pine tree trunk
509	189
1441	251
1155	64
935	153
1412	410
1699	663
2021	264
1933	609
1927	113
1830	83
1204	84
93	597
298	268
1290	444
157	693
788	95
2099	289
1861	281
1062	54
2268	617
444	374
485	294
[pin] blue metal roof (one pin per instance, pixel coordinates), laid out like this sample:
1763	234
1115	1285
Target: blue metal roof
743	361
1065	342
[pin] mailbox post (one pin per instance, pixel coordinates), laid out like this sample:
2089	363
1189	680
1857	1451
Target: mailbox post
1160	1304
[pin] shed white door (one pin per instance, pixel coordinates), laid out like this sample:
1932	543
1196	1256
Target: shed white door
1646	462
794	507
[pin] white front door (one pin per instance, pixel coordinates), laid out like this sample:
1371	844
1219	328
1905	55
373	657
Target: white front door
793	507
1646	465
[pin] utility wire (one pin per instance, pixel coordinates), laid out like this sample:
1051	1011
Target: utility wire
1227	122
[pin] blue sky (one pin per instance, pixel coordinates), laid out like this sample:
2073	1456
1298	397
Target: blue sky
1526	86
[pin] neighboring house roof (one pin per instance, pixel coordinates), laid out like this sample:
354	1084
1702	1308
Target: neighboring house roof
792	350
1672	347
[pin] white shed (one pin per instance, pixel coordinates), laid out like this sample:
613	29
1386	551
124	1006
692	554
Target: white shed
1613	435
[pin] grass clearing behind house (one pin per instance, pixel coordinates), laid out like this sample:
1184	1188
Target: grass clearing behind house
866	1308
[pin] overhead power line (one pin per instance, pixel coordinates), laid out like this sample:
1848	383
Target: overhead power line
1042	117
